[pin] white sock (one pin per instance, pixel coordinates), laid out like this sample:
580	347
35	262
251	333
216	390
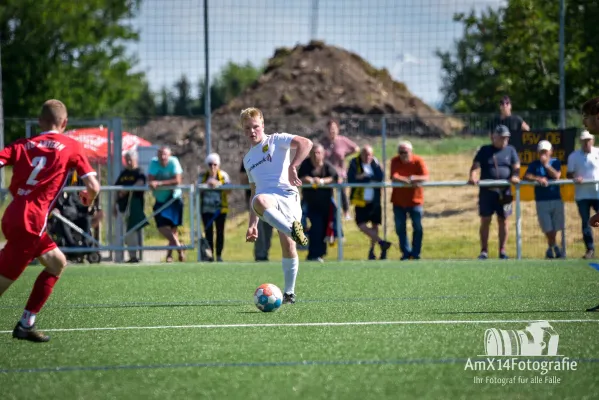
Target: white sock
27	319
290	267
277	220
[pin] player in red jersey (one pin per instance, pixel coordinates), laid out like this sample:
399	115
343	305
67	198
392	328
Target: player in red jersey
40	169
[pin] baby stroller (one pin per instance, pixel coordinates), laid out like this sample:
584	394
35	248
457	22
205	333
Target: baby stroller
70	207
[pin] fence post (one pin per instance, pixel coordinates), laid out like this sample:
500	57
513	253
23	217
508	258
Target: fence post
199	220
384	157
339	223
192	224
518	224
115	164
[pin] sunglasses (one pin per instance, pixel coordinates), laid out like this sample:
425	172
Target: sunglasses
212	164
403	152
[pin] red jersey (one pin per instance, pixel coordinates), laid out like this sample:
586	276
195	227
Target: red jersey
41	166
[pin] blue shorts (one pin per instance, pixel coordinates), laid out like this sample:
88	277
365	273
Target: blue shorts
171	216
489	204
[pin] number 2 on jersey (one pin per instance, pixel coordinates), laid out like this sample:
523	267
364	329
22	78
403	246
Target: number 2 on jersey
38	163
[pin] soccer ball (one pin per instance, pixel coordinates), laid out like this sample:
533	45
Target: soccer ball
268	297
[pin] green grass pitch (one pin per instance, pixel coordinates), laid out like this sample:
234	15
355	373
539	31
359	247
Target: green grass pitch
364	330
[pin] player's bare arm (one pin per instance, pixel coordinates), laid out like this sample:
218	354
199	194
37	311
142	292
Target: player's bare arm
252	232
92	189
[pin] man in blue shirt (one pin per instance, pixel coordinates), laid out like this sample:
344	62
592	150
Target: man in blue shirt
496	161
550	208
165	170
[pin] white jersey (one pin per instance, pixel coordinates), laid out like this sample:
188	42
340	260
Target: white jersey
267	164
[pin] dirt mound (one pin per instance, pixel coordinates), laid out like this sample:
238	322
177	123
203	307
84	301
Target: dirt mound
300	89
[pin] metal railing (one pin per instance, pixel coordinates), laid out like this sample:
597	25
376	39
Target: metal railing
195	206
483	183
116	239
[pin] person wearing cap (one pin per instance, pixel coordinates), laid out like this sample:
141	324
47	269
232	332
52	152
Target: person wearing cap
408	168
214	204
590	119
548	198
496	161
514	123
583	165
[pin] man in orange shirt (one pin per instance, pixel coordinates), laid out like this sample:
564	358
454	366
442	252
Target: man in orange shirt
408	168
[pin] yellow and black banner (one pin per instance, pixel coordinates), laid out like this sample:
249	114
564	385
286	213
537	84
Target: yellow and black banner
563	142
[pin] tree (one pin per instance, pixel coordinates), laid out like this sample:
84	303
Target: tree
183	101
164	107
74	51
229	83
515	50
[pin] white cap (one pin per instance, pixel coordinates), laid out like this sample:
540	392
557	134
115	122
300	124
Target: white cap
213	158
544	145
584	135
406	144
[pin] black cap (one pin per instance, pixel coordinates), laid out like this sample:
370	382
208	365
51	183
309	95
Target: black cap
502	130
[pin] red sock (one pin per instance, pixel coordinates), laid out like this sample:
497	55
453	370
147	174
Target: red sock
42	289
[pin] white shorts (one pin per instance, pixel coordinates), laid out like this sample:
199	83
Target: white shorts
287	202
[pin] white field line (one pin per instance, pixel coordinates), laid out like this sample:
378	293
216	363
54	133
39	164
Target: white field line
300	324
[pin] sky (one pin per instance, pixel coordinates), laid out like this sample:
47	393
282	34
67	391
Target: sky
400	35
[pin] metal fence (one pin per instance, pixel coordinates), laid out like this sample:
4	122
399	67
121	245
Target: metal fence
450	226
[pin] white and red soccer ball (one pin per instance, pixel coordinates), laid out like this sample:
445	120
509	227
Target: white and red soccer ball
268	297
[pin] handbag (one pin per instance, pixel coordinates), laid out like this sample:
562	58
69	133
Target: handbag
505	193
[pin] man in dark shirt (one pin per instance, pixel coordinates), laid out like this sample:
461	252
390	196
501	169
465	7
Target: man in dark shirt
316	171
514	123
497	161
262	244
131	204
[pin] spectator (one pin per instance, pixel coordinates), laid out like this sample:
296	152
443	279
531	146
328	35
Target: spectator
367	201
497	161
244	181
337	149
590	119
550	208
513	122
410	169
583	165
165	170
214	204
316	171
262	244
131	204
70	206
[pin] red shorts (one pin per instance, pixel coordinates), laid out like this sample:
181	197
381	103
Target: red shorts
21	248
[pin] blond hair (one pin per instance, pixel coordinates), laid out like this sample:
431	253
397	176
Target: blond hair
54	112
249	113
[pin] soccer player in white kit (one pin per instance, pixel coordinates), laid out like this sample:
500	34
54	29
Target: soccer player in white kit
275	198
